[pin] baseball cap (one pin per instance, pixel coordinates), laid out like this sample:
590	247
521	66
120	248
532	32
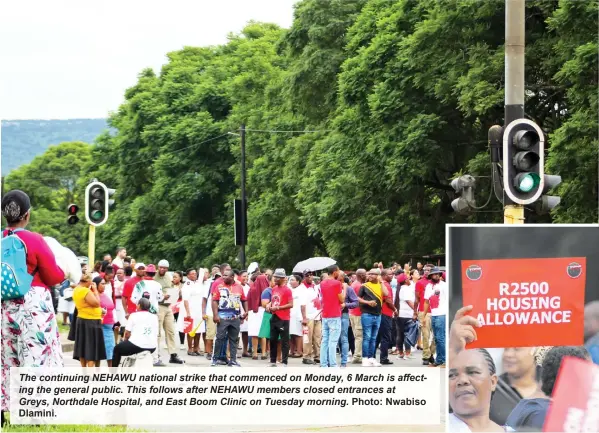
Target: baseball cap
140	266
150	269
163	264
402	278
253	267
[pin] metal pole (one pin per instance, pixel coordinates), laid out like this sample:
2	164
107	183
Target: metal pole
243	198
91	245
514	82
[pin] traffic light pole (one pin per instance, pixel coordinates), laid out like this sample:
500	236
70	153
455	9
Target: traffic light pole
91	245
514	83
243	198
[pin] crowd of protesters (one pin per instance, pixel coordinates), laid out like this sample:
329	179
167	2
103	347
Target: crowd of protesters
121	308
268	314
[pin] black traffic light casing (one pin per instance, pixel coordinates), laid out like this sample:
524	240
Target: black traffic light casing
464	186
241	236
548	202
97	203
523	161
72	210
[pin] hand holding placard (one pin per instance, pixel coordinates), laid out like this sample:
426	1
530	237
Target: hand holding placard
462	331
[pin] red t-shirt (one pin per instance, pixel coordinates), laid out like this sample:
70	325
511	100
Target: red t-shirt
40	256
330	290
420	287
128	291
356	311
229	299
386	310
282	295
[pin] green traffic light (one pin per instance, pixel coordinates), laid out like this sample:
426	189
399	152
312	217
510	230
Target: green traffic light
527	182
97	215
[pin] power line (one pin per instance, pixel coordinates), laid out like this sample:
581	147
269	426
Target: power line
178	150
290	132
146	160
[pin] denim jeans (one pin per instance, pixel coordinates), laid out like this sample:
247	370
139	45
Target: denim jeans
344	338
439	333
331	330
370	329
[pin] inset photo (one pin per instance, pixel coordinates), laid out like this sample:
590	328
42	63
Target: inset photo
523	346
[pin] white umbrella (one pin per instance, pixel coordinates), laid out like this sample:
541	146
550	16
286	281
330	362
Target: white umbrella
313	264
66	260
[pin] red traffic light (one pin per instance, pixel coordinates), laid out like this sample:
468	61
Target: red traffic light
73	209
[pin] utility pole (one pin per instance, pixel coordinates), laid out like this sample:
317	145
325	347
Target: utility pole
514	82
243	198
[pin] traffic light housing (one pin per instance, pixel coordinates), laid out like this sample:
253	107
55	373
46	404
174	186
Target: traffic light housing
72	210
97	203
548	202
464	186
523	161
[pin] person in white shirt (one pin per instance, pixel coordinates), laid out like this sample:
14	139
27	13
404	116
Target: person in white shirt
404	302
118	262
120	314
310	308
141	333
436	301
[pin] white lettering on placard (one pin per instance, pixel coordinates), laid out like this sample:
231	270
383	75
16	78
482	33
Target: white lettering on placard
524	303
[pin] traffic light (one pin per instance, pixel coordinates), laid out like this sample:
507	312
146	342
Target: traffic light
523	161
548	202
464	186
97	203
72	210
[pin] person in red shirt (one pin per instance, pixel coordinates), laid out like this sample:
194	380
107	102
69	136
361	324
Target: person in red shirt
280	306
131	307
258	283
428	342
333	298
29	328
227	299
388	311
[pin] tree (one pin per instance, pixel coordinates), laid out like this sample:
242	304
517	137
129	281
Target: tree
52	182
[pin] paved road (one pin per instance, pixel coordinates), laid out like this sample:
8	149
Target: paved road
204	426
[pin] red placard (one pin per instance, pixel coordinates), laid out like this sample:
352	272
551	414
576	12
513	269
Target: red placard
575	398
526	302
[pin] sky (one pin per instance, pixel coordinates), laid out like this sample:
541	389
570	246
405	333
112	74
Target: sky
64	59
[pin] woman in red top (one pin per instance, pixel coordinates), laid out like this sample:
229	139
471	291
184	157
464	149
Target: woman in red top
29	330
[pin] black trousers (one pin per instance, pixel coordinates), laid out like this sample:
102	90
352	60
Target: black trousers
227	329
401	326
181	334
126	348
279	327
385	335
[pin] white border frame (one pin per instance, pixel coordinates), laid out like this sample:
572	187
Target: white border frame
107	192
448	268
506	182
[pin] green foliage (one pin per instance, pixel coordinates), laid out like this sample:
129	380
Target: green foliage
54	180
22	140
401	95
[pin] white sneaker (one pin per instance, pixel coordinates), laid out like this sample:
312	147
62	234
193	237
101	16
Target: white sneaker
366	362
374	362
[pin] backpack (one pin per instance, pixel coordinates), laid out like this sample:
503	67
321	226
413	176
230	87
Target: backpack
16	281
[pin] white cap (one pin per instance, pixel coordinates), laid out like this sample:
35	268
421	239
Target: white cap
139	265
253	267
163	264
